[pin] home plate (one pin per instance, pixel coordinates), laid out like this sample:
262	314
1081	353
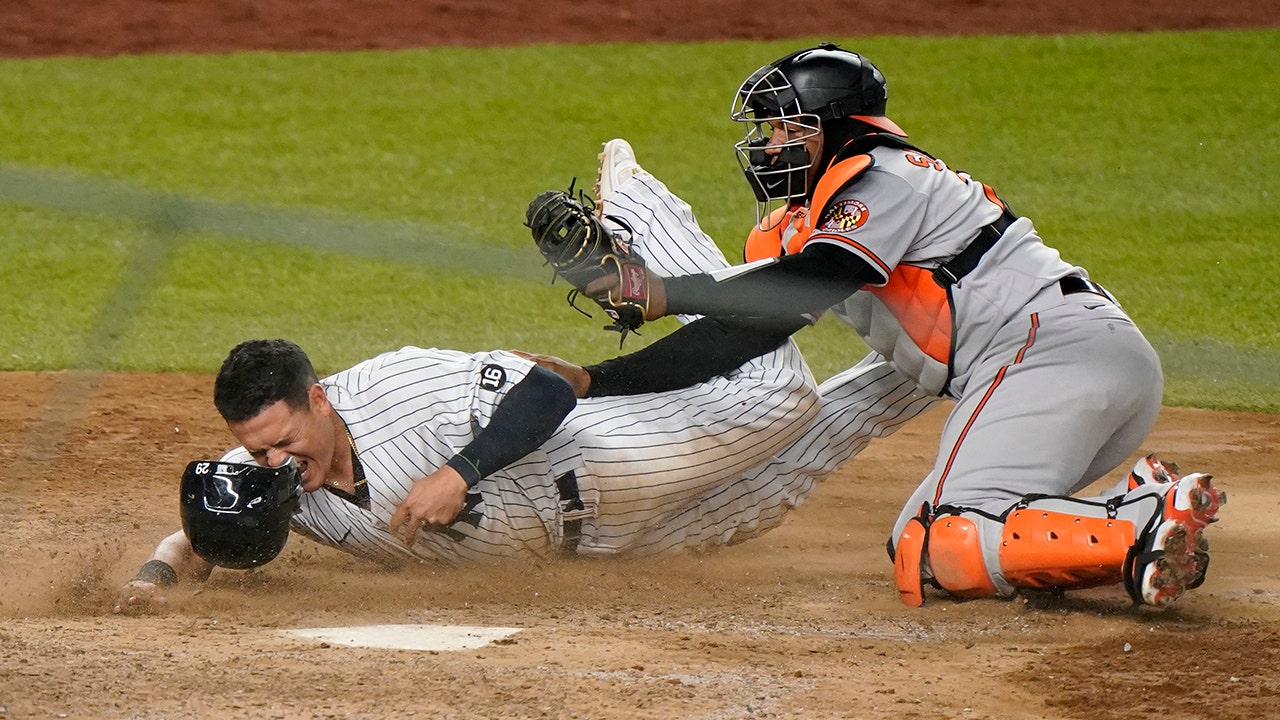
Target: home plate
407	637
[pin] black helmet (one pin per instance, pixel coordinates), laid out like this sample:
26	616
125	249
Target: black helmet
237	515
826	81
805	89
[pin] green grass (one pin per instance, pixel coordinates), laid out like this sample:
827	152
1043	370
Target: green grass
194	201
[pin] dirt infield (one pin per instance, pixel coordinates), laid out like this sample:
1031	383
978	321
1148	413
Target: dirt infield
801	623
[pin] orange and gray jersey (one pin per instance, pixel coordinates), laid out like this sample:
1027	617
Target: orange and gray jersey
1054	384
906	213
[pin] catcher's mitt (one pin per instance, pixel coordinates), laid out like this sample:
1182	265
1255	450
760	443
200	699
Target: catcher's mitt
581	248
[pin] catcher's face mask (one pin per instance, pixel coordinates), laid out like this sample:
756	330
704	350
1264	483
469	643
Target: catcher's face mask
778	152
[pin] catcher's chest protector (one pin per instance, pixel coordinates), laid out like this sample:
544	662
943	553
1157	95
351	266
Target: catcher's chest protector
910	299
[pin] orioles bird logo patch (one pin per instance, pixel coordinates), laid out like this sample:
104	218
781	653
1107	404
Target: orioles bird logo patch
844	216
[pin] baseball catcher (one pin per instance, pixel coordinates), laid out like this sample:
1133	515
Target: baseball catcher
581	247
1054	384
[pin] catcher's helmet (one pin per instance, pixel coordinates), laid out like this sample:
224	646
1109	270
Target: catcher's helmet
237	515
803	90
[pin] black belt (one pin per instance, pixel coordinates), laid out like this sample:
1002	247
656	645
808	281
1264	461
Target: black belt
572	511
950	272
1073	284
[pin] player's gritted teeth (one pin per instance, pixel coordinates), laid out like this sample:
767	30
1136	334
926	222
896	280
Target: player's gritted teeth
309	482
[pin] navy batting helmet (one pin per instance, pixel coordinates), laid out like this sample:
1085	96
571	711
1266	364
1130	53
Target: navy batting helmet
237	515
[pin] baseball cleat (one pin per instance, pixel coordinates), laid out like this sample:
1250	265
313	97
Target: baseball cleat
1175	556
1151	470
617	165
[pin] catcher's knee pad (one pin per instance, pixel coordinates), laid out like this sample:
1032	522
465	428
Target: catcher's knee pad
952	549
955	558
908	552
1043	549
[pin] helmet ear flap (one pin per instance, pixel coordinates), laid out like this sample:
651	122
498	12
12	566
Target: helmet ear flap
874	89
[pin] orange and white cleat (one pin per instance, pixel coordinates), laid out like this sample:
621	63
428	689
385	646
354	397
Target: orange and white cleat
1173	556
1152	470
617	165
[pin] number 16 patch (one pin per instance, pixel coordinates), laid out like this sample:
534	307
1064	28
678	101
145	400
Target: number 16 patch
492	377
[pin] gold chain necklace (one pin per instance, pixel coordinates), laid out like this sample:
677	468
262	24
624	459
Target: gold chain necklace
357	467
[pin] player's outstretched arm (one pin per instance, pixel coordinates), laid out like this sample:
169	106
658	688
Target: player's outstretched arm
172	560
809	282
693	354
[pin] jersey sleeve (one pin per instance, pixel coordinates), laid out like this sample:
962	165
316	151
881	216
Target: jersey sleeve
443	396
876	218
525	418
491	376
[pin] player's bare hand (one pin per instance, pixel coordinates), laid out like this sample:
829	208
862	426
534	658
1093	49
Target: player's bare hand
139	597
578	378
435	500
609	285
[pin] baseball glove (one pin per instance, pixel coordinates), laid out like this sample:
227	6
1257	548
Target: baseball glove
580	247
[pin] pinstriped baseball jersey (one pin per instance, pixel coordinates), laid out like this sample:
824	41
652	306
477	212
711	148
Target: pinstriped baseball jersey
637	459
657	472
640	461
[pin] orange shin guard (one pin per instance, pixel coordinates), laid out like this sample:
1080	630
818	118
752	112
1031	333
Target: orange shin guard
1045	550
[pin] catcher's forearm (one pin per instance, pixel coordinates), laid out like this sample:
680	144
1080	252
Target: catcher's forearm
809	282
695	353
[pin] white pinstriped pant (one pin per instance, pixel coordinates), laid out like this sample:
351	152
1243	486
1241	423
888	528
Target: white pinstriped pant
735	471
